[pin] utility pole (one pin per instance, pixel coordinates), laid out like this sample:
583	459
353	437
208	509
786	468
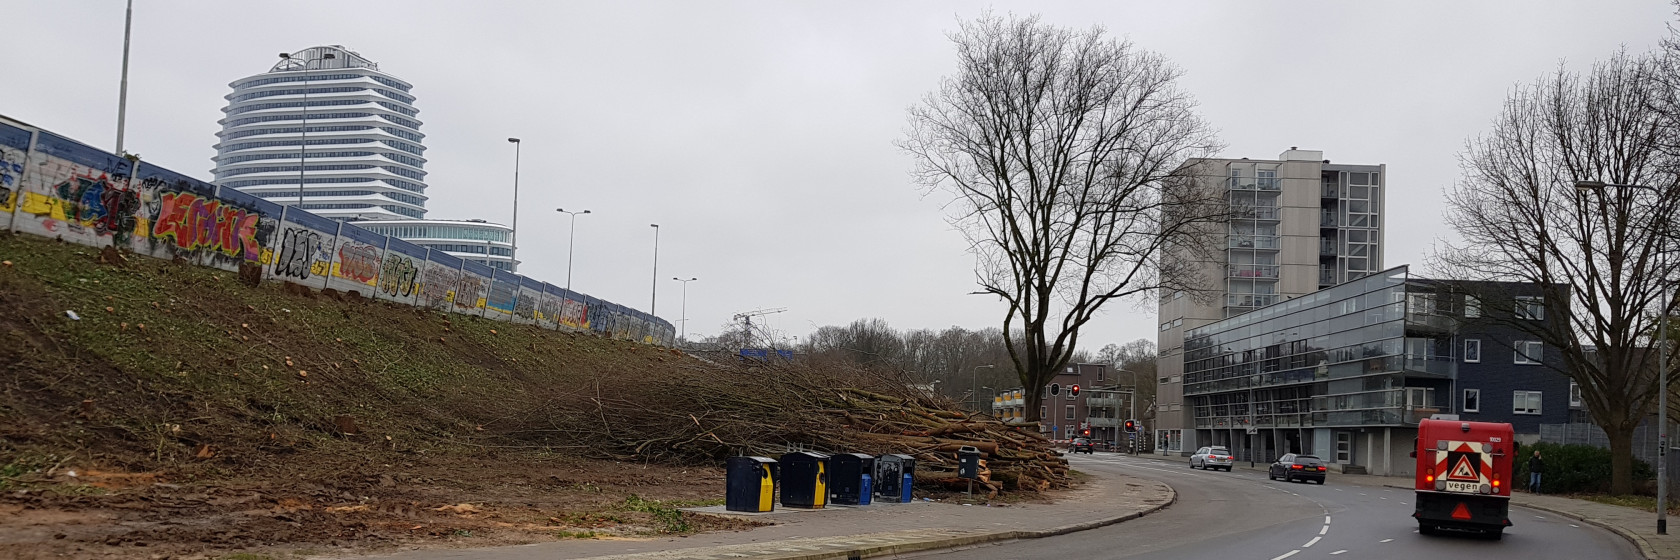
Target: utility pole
122	93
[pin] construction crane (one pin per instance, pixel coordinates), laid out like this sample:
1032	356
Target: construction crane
746	317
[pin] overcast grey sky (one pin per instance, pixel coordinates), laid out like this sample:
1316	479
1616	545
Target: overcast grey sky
759	135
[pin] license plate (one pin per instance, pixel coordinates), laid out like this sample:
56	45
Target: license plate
1470	487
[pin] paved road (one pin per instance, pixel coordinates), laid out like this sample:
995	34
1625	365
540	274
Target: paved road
1242	515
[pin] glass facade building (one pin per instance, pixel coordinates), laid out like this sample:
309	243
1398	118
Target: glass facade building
1346	372
474	240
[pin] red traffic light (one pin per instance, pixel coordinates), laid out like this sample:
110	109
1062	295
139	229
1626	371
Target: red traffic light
1131	426
1087	432
1073	391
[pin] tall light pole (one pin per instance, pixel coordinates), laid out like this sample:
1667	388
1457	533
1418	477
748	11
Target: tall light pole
974	383
1662	370
684	319
513	252
653	305
303	139
122	93
570	237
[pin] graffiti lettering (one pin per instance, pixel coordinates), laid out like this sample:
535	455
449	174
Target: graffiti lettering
11	171
399	277
197	223
548	308
99	203
525	306
299	249
438	288
574	314
358	261
468	290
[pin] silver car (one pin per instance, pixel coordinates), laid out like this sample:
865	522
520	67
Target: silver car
1212	458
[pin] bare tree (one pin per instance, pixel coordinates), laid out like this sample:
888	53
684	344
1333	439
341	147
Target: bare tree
1137	361
1601	259
1060	148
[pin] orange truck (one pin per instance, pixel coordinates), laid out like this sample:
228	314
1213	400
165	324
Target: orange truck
1464	476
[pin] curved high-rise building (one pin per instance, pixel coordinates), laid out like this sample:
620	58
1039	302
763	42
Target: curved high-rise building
352	129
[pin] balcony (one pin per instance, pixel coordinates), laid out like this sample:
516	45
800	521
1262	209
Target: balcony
1326	247
1250	300
1253	184
1104	422
1327	278
1327	219
1102	402
1260	271
1331	191
1252	241
1248	212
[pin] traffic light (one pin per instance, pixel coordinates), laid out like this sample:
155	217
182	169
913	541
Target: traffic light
1131	426
1055	388
1073	391
1087	433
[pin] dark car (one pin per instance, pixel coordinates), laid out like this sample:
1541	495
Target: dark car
1082	445
1292	467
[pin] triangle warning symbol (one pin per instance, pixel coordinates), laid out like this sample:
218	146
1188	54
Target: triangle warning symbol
1463	470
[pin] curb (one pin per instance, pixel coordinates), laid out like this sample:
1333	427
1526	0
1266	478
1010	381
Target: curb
887	550
970	540
1645	548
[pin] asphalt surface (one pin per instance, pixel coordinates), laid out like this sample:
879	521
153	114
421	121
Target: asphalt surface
1242	515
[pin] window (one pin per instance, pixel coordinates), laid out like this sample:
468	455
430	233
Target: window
1525	402
1574	395
1070	412
1528	351
1044	411
1472	350
1163	381
1472	400
1100	376
1472	307
1530	308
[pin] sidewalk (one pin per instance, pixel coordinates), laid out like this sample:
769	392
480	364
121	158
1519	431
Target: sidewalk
862	532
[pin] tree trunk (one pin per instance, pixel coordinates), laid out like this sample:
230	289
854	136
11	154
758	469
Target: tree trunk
1621	459
1034	397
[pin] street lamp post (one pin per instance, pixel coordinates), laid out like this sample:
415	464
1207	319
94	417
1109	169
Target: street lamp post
653	304
122	93
303	131
1662	371
570	237
513	250
684	319
974	383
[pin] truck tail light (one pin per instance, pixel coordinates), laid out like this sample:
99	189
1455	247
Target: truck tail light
1431	476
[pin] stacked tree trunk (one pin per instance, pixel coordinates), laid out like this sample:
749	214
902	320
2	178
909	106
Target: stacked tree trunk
1014	457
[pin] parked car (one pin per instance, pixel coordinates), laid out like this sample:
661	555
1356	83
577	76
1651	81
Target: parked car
1212	458
1082	445
1292	467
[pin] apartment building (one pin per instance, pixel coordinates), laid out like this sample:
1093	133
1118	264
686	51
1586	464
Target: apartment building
1299	223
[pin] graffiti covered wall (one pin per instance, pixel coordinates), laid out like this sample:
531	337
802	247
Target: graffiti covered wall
59	188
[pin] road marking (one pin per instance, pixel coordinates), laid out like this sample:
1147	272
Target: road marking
1340	490
1385	540
1402	503
1326	520
1574	525
1539	517
1362	493
1324	529
1338	552
1311	542
1287	554
1383	497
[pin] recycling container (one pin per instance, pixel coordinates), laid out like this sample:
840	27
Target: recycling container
968	462
805	479
893	476
751	484
851	479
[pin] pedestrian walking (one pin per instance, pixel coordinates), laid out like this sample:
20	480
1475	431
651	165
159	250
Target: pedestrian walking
1536	466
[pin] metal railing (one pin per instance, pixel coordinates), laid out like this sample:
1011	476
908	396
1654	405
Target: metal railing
1252	241
1248	212
1265	271
1250	300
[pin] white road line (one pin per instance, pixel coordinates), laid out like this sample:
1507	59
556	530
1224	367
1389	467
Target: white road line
1287	554
1574	525
1338	552
1326	520
1539	517
1383	497
1385	540
1402	503
1324	529
1362	493
1311	542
